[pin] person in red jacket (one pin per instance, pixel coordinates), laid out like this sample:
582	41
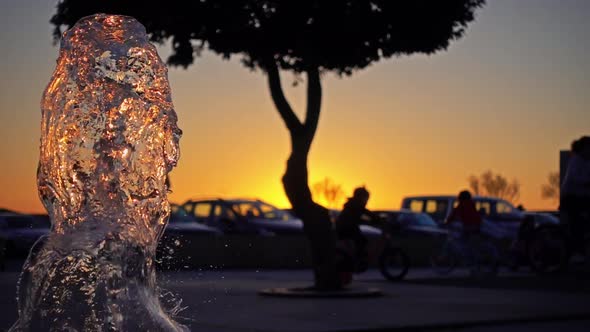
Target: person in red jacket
466	213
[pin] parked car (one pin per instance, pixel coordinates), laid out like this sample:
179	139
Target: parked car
409	222
181	223
177	245
243	216
542	218
416	233
553	213
20	232
500	218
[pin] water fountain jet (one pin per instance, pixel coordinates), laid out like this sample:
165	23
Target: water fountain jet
108	139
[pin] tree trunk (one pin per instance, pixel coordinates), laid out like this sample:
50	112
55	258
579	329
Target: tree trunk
316	218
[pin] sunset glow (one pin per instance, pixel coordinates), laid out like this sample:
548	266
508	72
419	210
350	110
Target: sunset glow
507	97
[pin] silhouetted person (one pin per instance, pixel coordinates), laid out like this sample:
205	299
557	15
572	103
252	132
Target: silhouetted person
349	220
575	190
2	251
466	213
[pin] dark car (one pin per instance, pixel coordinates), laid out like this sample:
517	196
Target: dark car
20	231
370	231
181	238
181	223
243	216
551	213
542	218
406	222
415	232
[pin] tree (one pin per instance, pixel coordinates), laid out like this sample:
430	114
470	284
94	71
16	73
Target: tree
551	189
307	37
495	185
331	192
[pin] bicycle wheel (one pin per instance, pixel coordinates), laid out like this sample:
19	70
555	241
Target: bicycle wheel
486	259
547	250
444	260
394	264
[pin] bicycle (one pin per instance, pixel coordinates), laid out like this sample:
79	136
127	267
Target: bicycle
476	252
551	247
392	260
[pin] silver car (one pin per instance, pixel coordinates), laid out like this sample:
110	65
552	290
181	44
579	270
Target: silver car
243	216
500	218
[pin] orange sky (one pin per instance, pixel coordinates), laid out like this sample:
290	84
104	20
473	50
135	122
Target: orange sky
507	97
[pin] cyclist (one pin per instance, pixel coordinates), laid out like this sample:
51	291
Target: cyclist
466	213
349	220
575	190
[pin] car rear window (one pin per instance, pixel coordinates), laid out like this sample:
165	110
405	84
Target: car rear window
416	205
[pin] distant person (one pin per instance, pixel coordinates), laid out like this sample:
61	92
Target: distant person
3	244
466	213
349	221
2	252
575	190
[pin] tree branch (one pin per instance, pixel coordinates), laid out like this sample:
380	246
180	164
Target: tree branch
314	101
278	97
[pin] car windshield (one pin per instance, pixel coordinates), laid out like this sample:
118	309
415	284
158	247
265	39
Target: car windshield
255	209
417	219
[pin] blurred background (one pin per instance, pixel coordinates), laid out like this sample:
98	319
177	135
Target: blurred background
505	98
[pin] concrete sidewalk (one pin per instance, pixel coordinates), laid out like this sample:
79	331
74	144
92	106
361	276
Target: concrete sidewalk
228	301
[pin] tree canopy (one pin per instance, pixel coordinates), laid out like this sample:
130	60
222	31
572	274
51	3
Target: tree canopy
335	35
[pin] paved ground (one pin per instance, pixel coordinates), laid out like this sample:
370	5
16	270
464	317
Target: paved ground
227	301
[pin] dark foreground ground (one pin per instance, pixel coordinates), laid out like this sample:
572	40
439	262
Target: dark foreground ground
227	300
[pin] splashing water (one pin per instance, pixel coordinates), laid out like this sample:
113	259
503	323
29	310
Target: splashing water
108	139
